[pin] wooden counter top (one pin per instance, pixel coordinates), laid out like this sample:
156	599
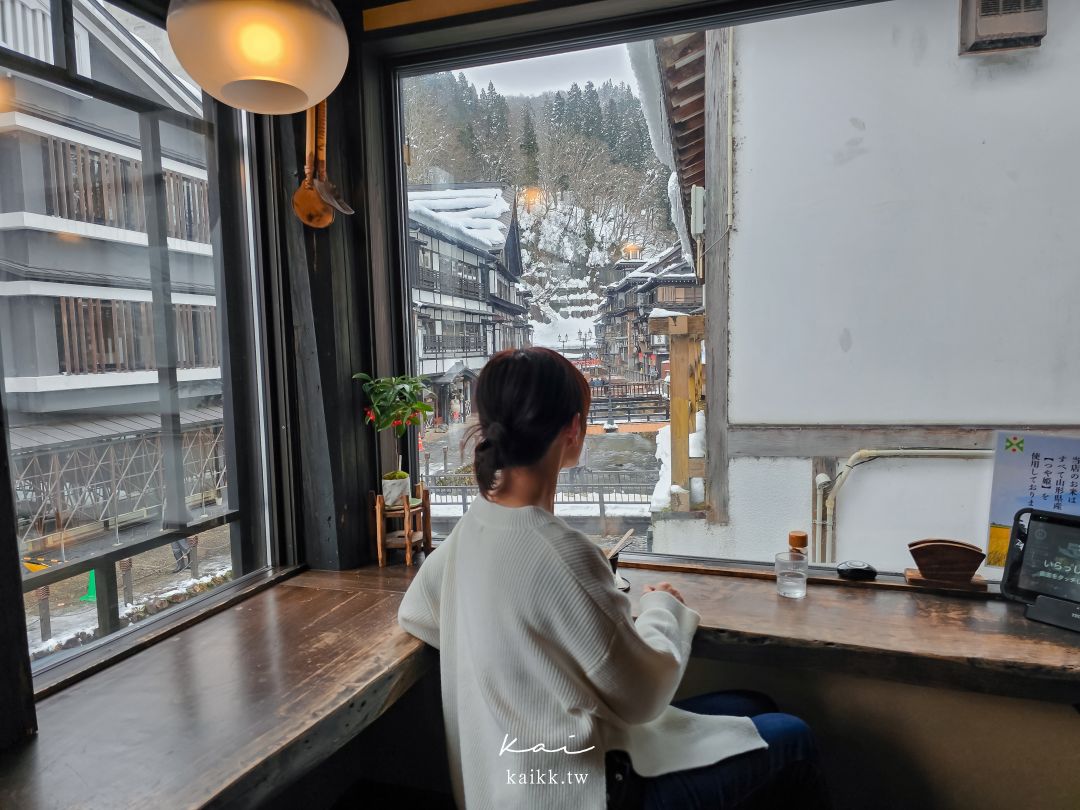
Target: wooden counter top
229	710
981	645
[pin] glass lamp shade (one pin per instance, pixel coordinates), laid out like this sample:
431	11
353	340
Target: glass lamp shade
267	56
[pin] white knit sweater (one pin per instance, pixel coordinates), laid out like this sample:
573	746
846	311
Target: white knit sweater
538	651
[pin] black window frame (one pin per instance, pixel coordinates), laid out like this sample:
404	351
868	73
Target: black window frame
261	550
493	36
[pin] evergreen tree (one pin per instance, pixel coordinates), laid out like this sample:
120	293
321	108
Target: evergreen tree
558	113
575	108
612	123
488	136
530	150
591	117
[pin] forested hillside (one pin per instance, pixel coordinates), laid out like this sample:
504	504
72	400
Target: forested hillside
586	177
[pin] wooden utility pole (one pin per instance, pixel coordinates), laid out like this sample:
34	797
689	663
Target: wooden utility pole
685	333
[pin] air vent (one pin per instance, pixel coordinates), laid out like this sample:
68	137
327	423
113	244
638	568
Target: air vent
1001	25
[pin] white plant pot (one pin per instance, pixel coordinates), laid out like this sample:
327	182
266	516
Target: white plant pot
394	490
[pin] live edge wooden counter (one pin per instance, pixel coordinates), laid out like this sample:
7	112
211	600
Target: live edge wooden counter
228	711
980	645
225	712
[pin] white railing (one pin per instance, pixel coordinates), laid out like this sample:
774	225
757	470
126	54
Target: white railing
26	27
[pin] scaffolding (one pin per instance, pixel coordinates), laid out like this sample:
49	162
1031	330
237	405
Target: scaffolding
72	491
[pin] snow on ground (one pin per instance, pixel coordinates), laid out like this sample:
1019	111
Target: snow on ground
446	510
65	625
661	498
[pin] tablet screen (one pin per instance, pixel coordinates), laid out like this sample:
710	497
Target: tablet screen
1051	563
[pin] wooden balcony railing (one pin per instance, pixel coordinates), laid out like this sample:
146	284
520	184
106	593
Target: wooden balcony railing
102	188
453	344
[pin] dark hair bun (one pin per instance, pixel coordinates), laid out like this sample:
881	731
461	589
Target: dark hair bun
495	433
524	398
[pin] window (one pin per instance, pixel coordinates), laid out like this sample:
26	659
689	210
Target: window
116	404
860	269
1001	25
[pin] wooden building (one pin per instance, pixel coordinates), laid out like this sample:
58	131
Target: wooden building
464	264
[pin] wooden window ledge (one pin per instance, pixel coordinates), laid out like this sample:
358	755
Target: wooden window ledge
232	710
896	633
229	711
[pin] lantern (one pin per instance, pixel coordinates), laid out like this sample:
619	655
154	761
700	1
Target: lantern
265	56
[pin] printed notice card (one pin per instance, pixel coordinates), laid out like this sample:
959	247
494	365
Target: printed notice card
1034	470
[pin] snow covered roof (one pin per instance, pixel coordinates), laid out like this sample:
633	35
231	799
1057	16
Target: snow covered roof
669	264
478	214
664	313
676	271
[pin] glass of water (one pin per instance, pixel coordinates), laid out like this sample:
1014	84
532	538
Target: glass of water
791	569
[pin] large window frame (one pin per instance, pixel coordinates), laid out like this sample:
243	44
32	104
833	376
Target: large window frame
256	544
426	47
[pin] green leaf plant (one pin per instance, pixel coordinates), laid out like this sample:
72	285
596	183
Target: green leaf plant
394	403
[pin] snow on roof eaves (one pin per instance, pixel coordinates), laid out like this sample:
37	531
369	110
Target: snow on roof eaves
450	228
665	313
480	213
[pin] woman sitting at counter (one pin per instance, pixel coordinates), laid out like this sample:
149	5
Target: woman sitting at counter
553	696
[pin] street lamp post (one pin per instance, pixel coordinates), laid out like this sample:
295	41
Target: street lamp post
562	340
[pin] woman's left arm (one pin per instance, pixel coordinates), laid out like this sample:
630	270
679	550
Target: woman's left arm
419	611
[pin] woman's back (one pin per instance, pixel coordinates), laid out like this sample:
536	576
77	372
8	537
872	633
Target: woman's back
543	668
517	632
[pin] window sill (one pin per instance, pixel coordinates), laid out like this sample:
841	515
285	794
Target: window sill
51	678
890	632
230	710
819	574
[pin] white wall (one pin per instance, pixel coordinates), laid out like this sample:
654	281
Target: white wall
769	498
887	503
907	243
884	505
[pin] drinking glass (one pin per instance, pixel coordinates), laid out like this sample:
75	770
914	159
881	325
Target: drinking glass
791	569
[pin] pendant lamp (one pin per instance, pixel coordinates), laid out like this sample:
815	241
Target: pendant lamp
266	56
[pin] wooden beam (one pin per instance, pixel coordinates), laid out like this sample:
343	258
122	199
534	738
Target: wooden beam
677	77
691	125
688	111
718	45
695	179
672	56
690	92
690	156
818	552
692	139
840	441
680	411
690	325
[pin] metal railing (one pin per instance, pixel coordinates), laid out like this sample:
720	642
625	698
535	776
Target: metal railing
600	489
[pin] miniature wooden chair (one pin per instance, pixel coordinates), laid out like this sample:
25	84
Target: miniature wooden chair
415	515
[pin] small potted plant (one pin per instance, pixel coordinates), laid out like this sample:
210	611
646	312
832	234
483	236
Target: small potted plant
395	403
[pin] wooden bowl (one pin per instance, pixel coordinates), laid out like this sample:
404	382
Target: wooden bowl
946	560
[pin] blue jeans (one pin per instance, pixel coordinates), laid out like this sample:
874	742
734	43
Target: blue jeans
786	774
